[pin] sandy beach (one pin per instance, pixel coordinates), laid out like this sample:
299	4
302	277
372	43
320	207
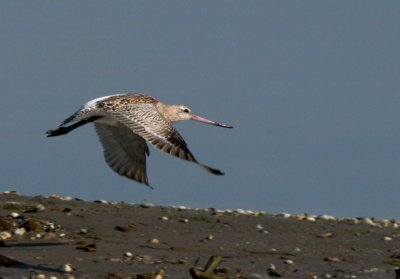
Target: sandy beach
71	238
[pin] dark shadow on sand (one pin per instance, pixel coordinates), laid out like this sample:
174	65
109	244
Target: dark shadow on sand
11	263
32	245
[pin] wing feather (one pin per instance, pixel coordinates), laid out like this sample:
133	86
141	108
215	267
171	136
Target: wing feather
124	151
145	121
153	127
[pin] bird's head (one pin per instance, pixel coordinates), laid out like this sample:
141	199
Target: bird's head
182	112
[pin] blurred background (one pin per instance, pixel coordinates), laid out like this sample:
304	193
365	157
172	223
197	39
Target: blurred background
312	89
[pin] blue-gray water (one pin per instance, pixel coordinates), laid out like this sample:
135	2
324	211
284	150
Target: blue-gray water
311	87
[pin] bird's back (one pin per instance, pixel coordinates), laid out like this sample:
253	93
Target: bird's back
101	106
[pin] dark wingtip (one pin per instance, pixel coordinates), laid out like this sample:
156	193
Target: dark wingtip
212	170
216	172
149	186
143	179
57	132
50	133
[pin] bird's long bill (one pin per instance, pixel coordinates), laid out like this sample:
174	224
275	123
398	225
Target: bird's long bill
201	119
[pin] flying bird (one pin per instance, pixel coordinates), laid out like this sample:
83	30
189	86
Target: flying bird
125	122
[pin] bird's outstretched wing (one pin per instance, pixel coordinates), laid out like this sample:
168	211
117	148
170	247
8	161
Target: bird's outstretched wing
124	151
145	121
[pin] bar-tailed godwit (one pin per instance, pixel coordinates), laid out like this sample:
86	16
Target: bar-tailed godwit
124	122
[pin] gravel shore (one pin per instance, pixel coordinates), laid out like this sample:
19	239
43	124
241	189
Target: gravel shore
56	237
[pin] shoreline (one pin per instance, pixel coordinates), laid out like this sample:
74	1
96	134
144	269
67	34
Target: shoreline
371	220
63	237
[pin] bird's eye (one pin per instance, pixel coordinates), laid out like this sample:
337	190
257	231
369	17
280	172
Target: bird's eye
186	110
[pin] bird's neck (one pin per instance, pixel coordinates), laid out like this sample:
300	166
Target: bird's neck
165	110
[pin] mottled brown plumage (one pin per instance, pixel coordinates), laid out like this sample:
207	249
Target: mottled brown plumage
124	123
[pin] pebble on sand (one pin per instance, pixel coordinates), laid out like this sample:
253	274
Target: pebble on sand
210	237
66	268
14	215
38	208
288	262
19	231
5	235
11	192
128	254
284	215
154	241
